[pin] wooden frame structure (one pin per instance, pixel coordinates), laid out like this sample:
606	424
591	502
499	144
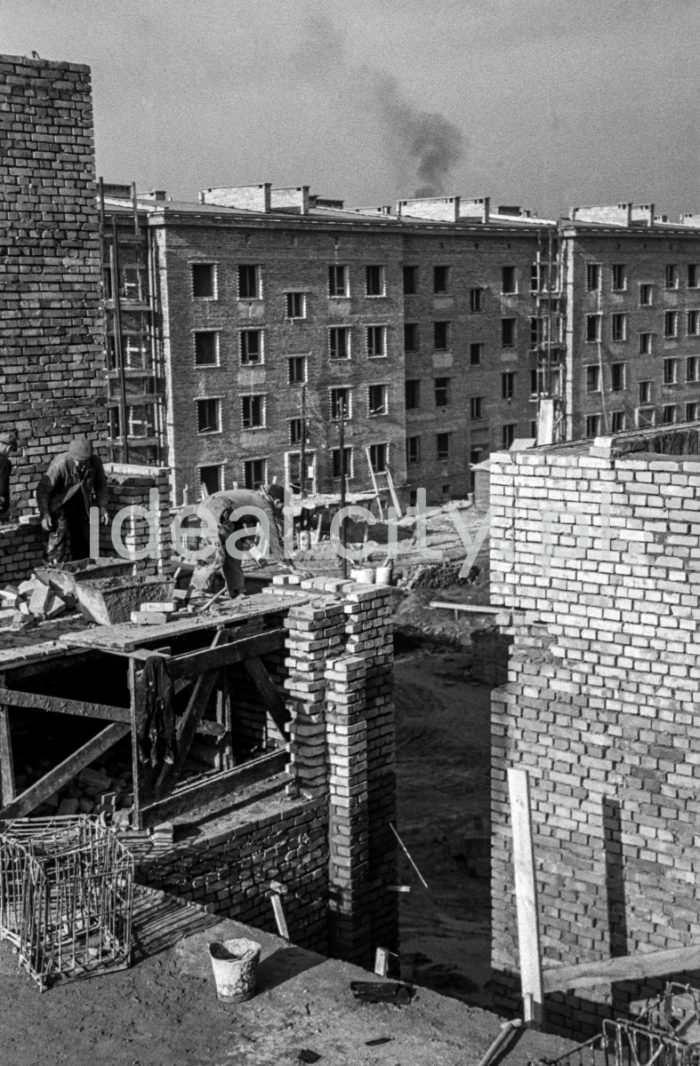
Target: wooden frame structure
199	654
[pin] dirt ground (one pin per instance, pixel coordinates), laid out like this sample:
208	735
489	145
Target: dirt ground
164	1011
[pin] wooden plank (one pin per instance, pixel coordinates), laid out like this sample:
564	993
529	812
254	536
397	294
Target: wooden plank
64	772
142	773
622	968
214	787
126	637
224	754
526	897
272	699
187	726
59	705
466	608
235	651
7	770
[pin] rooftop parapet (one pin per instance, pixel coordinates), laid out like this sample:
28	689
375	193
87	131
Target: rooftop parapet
626	214
434	208
243	197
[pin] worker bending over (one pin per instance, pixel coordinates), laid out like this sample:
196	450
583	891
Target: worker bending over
74	482
234	510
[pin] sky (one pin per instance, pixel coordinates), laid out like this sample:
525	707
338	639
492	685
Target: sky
542	103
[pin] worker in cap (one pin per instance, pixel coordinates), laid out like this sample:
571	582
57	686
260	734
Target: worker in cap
235	510
8	444
74	482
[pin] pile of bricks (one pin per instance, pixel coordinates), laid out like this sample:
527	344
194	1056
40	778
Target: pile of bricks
596	560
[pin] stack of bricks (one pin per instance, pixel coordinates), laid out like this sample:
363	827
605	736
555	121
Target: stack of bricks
51	329
140	517
596	559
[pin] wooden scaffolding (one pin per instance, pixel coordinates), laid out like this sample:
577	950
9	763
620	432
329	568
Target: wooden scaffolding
101	674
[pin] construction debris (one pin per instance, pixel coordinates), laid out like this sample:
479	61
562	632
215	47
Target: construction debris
34	598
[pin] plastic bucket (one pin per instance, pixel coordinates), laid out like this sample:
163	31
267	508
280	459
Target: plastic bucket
384	575
235	966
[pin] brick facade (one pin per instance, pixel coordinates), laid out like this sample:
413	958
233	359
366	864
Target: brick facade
594	557
51	358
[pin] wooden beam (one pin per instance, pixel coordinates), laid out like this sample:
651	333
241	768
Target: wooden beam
235	651
466	608
64	772
37	701
214	787
7	771
63	659
187	726
622	968
526	897
272	699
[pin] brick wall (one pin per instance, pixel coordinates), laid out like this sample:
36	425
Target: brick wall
339	685
23	545
230	869
329	840
51	358
595	556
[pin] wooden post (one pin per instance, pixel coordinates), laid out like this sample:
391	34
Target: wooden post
526	898
224	753
7	772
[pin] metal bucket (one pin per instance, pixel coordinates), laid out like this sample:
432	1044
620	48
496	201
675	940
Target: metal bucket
235	966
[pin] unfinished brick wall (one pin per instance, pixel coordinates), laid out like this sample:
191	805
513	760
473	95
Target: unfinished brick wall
596	557
230	869
51	348
23	545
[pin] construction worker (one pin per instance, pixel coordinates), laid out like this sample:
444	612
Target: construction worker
222	506
74	482
8	444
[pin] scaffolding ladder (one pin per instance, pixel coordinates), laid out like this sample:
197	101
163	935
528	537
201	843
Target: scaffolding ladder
389	487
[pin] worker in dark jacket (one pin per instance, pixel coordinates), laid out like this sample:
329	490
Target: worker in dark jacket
73	483
8	444
234	510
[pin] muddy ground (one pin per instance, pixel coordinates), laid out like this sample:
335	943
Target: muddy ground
443	770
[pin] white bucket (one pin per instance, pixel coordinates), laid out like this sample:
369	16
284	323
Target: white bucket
235	966
363	576
384	574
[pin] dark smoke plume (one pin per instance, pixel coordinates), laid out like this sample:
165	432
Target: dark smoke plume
423	146
424	140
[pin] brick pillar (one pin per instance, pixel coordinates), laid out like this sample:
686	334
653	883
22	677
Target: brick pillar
360	717
314	633
349	843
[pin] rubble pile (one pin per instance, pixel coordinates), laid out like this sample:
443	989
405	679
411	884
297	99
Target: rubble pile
33	599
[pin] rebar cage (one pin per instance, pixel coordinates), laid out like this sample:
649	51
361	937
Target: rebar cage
66	896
